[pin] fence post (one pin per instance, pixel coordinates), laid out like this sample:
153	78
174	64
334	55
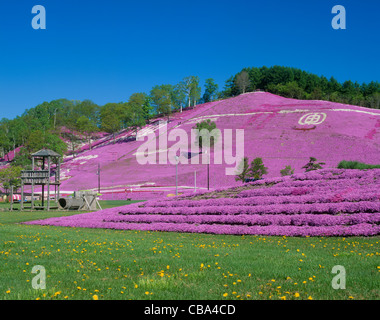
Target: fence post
11	198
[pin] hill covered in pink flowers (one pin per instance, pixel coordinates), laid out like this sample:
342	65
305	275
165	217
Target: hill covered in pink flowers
281	131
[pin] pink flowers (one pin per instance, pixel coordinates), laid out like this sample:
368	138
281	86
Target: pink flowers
321	203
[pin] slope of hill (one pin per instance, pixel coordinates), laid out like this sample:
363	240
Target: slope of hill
280	130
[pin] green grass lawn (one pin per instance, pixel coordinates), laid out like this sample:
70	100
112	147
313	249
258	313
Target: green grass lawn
109	264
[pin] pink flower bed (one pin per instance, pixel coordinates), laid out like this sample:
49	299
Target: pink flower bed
320	203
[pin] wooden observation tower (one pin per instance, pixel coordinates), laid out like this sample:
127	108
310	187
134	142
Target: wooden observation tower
42	177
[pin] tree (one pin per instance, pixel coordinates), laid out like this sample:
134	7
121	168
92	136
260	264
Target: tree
11	176
257	168
55	143
211	90
161	97
196	90
86	127
374	100
317	94
73	140
5	141
242	81
22	159
136	112
243	170
40	140
112	116
229	89
290	90
35	141
205	136
254	171
148	108
135	115
287	171
189	86
313	165
178	97
88	109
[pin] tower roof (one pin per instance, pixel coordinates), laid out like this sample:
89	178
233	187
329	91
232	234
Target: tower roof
46	153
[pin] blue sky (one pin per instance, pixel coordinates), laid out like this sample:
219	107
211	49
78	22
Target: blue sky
106	50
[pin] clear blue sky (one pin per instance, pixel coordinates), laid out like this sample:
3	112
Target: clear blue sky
106	50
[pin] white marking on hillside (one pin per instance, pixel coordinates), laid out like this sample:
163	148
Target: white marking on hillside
359	111
294	111
85	158
192	121
312	118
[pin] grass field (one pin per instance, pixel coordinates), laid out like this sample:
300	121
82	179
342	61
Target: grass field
109	264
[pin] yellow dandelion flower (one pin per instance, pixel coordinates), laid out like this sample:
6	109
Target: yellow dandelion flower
95	297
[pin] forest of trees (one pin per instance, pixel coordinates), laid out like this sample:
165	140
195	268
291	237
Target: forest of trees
295	83
41	126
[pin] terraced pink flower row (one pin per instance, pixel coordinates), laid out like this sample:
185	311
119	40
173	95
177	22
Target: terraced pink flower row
345	187
263	220
104	218
363	229
368	194
292	208
338	203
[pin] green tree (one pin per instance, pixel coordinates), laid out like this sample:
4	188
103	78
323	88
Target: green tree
206	136
287	171
243	81
11	176
112	116
211	90
243	170
161	96
35	141
135	111
22	159
86	127
190	88
148	108
257	169
5	141
313	165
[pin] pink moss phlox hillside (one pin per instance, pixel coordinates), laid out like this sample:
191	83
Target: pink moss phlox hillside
270	126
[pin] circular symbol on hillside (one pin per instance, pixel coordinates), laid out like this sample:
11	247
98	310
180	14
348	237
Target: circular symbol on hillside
312	118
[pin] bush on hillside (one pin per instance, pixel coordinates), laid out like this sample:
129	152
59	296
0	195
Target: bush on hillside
356	165
287	171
